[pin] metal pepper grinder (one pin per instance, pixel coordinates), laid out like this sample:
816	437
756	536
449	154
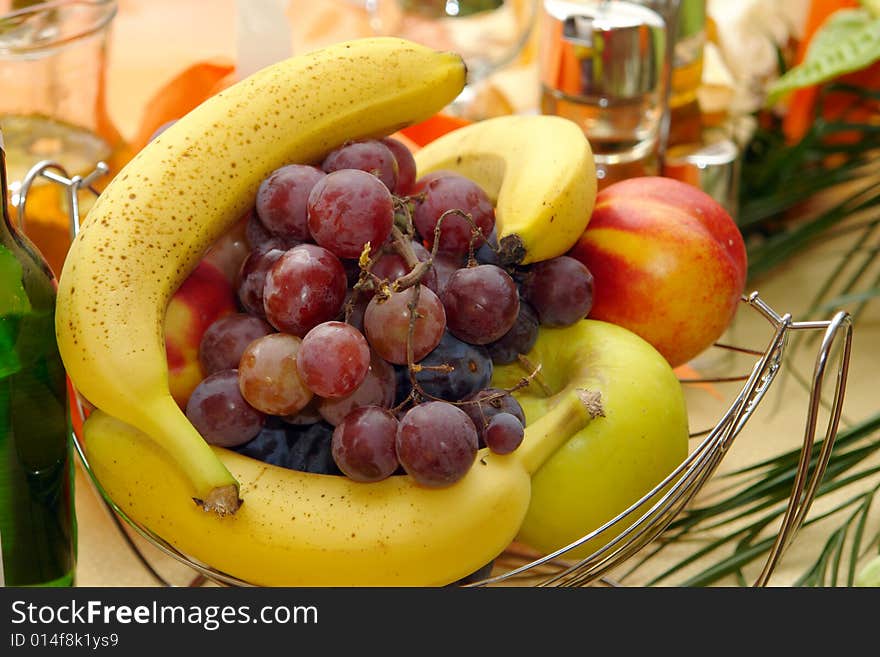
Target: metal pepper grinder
603	64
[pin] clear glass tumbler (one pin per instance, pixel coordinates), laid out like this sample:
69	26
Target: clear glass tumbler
488	34
53	63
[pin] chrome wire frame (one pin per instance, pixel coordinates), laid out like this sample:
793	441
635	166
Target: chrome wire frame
55	173
679	488
645	520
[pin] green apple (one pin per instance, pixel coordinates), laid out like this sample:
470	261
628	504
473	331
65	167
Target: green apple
616	458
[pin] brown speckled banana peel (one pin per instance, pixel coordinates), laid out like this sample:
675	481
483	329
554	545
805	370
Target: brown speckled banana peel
306	529
153	223
539	171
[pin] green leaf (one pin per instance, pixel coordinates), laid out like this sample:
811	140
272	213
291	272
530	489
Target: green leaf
870	574
857	538
848	41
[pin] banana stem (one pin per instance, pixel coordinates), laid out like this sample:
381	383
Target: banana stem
215	489
555	428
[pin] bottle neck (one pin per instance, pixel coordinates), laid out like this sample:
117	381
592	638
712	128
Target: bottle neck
6	227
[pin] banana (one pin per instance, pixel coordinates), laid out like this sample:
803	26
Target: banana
537	169
303	529
155	220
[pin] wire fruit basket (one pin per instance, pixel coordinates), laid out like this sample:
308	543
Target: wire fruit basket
644	521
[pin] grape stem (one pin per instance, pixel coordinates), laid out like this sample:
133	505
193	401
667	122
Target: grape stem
366	280
535	375
418	269
402	243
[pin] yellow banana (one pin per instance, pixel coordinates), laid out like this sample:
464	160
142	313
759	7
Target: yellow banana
153	223
539	171
304	529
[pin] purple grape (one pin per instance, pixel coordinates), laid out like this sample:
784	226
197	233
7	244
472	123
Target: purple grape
369	155
560	290
481	303
282	201
220	414
453	192
503	434
364	444
436	443
225	340
520	339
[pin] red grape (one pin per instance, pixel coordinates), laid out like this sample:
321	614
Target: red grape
225	340
333	359
519	339
349	208
258	236
504	433
252	279
268	376
378	388
308	415
358	308
406	165
488	403
436	443
363	444
446	264
560	290
220	413
420	184
282	200
453	192
391	265
305	287
481	303
387	321
370	155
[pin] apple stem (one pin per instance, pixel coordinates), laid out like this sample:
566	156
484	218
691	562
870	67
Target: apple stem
553	429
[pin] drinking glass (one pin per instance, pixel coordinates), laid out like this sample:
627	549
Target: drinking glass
488	34
53	61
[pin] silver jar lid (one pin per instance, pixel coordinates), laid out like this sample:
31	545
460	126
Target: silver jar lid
607	49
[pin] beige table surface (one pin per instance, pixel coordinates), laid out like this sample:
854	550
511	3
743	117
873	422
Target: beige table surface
153	39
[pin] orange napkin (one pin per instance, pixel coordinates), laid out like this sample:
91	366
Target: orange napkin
181	94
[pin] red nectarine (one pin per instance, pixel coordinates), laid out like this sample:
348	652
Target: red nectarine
205	296
669	263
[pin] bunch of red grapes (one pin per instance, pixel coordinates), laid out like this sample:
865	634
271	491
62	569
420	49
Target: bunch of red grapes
372	309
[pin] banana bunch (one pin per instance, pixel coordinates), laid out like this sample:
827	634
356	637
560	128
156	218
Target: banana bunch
154	222
537	169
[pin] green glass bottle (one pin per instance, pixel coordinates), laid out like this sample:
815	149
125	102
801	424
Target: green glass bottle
37	518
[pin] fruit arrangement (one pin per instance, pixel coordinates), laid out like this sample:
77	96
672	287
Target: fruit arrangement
383	354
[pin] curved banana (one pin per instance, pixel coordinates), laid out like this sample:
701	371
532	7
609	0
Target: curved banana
155	220
303	529
539	171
